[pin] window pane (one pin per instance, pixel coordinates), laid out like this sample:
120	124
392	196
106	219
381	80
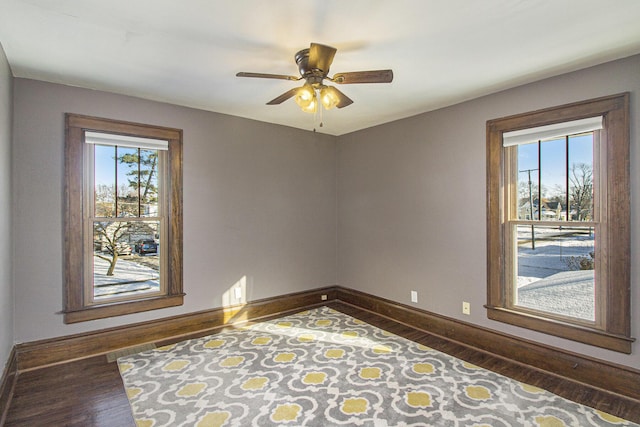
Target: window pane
128	182
553	166
149	183
105	181
555	270
528	181
581	177
125	258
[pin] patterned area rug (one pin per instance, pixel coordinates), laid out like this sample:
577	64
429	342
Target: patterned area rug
324	368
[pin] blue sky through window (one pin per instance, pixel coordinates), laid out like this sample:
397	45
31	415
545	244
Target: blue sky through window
553	160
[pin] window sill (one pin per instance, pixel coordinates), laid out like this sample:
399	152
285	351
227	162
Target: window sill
560	329
121	308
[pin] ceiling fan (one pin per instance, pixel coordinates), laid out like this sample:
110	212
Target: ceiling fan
313	64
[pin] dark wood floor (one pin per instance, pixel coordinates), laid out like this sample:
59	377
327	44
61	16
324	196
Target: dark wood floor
89	392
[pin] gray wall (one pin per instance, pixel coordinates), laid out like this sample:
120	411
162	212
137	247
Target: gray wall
259	204
6	288
412	203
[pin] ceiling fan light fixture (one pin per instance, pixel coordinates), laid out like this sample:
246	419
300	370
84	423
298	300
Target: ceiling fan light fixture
306	98
328	97
305	95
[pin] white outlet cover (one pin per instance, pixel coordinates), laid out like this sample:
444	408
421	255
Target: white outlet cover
238	292
414	296
466	308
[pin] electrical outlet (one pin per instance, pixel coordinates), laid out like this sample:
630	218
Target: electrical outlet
466	308
323	297
238	292
414	296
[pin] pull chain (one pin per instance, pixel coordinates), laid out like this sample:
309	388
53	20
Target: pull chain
318	112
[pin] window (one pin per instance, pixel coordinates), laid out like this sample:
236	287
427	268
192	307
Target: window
123	219
558	221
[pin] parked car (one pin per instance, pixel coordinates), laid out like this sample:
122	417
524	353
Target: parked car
146	246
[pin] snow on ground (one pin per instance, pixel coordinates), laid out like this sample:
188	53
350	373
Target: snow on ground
545	281
550	255
128	277
570	293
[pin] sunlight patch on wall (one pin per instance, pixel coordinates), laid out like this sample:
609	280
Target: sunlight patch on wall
234	299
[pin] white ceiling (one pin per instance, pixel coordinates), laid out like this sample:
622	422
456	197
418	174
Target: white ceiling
187	52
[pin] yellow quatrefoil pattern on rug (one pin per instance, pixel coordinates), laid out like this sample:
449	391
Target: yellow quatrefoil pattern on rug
370	373
166	347
214	344
381	349
423	368
284	357
286	413
306	338
192	389
213	419
124	367
315	378
256	383
418	399
132	392
175	365
355	406
231	362
284	324
323	368
334	353
478	393
549	421
261	341
349	334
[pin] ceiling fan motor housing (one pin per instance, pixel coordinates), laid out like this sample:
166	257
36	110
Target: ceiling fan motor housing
313	76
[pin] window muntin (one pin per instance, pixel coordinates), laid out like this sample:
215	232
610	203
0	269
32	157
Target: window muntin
553	265
126	197
123	191
609	221
553	174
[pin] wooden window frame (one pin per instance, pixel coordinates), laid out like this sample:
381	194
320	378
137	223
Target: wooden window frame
75	307
613	331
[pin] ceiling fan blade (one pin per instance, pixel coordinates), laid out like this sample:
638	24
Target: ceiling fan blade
376	76
321	57
280	99
267	76
344	99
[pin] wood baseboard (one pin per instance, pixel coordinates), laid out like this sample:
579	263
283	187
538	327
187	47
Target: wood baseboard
600	374
7	384
38	354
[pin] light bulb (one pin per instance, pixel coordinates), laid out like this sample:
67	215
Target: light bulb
310	107
328	97
305	96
